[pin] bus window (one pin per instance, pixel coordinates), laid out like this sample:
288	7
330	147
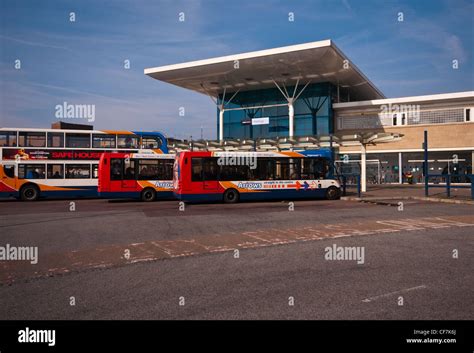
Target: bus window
116	168
55	171
8	138
151	142
9	170
127	141
103	141
32	139
78	140
95	171
288	169
31	171
129	169
265	169
315	168
147	169
78	171
165	169
235	172
55	139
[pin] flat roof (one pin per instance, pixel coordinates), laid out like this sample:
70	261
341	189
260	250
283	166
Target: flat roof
432	98
313	62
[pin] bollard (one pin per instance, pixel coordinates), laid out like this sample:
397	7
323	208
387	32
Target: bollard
448	185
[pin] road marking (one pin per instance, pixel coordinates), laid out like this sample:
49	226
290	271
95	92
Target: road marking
368	300
113	254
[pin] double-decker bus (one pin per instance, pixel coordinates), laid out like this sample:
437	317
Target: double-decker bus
62	162
142	176
234	176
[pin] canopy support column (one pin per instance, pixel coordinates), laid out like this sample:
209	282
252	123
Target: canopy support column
291	100
291	118
221	124
221	107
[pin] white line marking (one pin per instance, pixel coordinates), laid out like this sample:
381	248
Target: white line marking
368	300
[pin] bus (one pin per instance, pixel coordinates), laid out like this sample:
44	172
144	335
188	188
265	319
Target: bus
38	163
142	176
234	176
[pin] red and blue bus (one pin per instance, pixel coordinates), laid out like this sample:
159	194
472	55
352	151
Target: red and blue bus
62	163
144	176
234	176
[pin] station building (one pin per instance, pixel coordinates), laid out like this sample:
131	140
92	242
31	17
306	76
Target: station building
302	96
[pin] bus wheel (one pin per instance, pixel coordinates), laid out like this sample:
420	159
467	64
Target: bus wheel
148	195
231	196
333	193
29	192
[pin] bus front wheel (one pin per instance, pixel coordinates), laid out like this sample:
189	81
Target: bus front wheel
148	195
333	193
231	196
29	193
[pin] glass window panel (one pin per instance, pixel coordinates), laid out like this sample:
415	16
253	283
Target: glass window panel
127	141
31	171
55	139
78	171
55	171
103	141
32	139
78	140
8	138
9	170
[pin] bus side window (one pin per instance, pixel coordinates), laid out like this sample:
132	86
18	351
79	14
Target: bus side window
151	142
31	171
321	168
116	169
167	169
55	171
9	170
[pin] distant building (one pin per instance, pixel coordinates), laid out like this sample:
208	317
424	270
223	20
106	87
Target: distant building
70	126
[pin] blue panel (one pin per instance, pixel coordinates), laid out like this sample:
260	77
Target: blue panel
164	142
313	113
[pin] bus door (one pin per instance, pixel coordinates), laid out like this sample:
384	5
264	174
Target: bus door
210	174
204	174
129	180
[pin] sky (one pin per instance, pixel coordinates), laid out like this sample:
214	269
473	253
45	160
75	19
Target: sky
83	61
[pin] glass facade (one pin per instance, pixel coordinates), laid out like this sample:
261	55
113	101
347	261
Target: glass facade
383	168
313	113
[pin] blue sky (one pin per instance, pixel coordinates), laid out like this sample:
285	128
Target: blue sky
82	62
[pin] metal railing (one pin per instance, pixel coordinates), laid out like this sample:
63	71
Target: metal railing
354	181
447	180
